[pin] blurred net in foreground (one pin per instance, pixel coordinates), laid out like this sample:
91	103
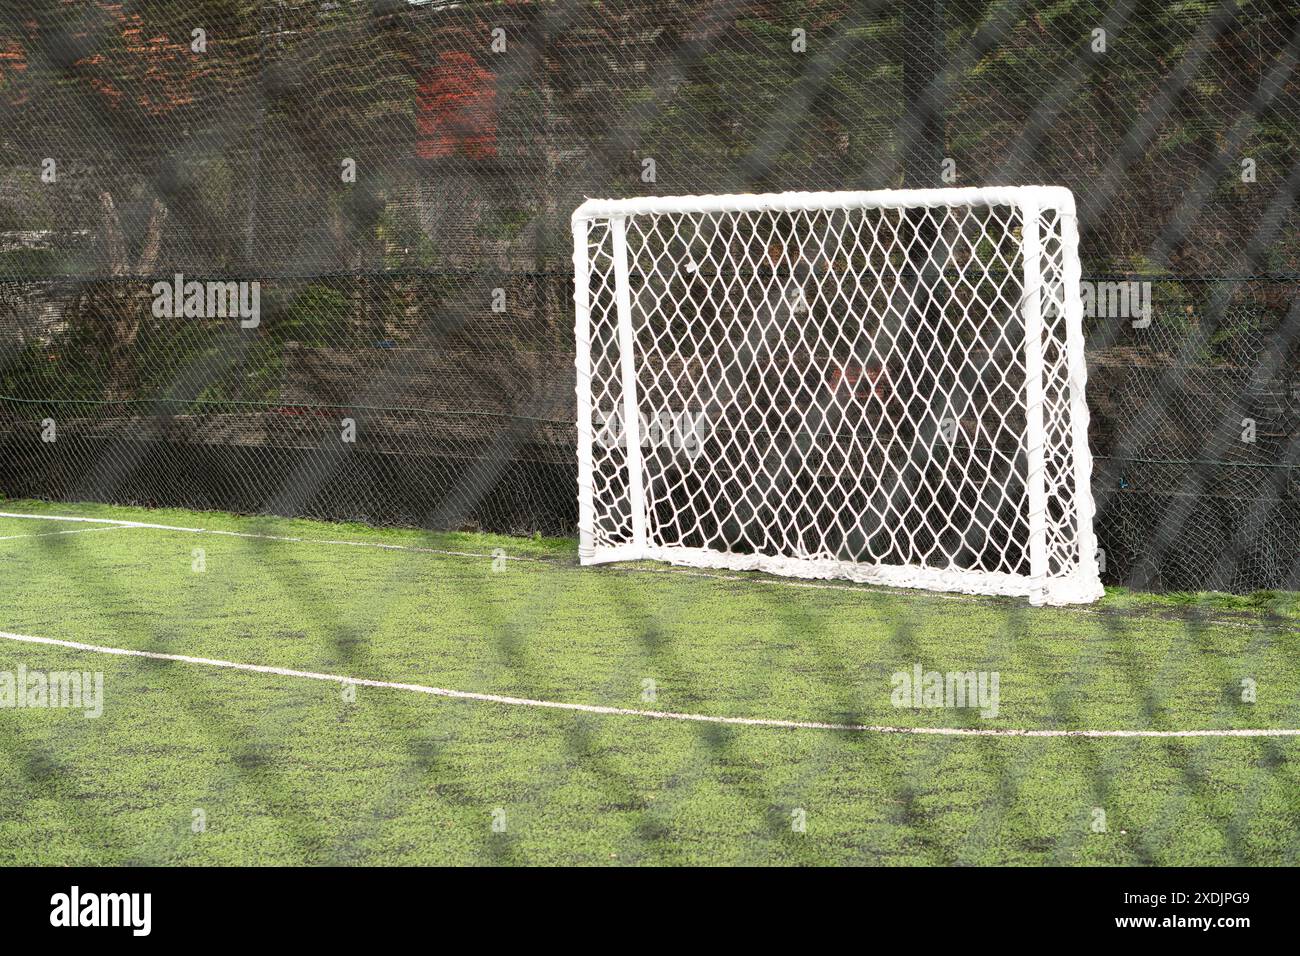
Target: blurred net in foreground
429	300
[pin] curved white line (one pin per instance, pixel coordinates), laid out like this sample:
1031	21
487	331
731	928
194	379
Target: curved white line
119	522
631	712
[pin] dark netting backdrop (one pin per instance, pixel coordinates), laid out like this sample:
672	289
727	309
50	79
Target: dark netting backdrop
390	184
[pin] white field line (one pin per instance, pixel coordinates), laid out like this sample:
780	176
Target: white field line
268	537
630	712
773	582
48	534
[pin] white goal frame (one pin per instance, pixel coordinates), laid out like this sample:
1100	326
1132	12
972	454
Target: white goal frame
633	257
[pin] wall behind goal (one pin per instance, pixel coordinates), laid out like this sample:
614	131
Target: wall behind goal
398	178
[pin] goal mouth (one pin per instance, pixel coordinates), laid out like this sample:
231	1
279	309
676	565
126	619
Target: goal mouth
882	386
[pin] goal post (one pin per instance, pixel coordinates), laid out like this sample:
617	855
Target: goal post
881	386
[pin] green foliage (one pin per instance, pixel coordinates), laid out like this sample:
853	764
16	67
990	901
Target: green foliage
32	263
316	316
71	368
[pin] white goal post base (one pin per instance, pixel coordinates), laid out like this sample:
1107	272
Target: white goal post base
1057	592
885	387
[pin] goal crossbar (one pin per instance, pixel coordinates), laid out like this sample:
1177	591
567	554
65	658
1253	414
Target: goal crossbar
1044	196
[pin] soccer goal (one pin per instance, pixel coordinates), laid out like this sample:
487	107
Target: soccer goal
881	386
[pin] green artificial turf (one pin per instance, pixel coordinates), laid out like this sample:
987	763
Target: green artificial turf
289	770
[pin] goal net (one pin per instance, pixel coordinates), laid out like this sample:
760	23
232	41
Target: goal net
881	386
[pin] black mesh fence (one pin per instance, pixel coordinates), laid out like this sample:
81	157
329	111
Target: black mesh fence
374	197
1195	414
391	399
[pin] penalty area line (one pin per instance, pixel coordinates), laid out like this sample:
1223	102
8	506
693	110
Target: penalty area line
633	712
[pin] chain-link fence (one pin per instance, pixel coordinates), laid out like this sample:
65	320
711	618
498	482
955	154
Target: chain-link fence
374	196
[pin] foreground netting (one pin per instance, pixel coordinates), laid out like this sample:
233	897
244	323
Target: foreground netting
882	386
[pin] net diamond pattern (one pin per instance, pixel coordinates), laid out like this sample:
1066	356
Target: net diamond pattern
835	388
